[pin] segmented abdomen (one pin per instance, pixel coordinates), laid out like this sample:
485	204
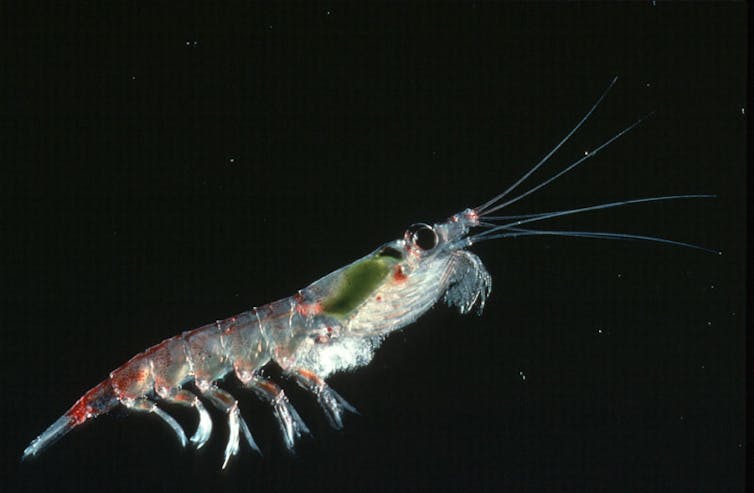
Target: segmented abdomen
289	331
205	354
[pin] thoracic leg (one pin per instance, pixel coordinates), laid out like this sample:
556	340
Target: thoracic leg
227	403
147	406
204	429
290	422
332	404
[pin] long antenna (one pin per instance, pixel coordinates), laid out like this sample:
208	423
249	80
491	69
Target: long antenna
586	156
517	232
530	218
481	208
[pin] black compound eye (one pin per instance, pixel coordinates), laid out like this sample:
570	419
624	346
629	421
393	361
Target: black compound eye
422	235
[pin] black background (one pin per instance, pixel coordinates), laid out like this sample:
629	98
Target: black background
166	166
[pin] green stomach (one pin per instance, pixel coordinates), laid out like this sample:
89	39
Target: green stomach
357	283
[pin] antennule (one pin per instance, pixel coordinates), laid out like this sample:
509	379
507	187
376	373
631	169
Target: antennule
482	207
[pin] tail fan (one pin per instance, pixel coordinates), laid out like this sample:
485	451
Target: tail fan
98	400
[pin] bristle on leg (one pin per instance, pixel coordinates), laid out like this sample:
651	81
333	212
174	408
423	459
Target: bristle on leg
330	401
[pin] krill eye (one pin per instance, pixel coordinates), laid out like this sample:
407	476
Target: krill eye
423	236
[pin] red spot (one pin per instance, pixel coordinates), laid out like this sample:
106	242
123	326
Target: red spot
378	298
268	386
398	274
86	407
309	308
132	379
80	411
329	330
311	376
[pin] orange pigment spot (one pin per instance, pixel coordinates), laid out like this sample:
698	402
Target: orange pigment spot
308	375
80	411
269	387
398	274
309	308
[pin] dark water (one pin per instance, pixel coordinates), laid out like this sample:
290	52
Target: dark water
165	167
